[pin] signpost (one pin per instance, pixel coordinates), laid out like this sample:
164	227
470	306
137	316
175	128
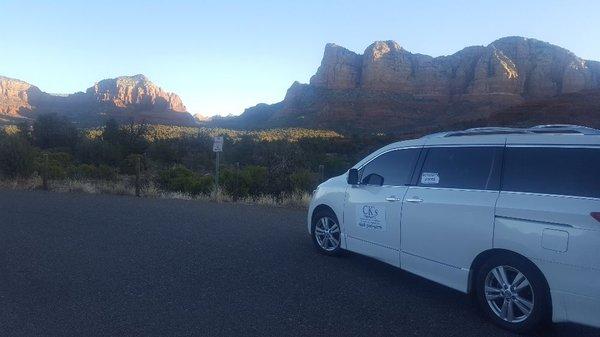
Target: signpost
218	148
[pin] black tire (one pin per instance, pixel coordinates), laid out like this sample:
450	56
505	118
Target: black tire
318	239
538	292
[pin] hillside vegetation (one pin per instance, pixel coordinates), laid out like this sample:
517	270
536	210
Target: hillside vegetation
254	164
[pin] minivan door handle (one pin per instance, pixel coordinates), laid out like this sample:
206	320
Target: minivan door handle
414	200
393	198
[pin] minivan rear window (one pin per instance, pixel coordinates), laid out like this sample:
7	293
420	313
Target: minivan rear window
462	167
552	170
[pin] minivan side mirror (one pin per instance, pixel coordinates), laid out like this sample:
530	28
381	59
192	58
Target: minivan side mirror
353	176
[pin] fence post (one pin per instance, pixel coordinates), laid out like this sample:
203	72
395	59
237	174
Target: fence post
138	168
217	171
45	170
237	179
321	173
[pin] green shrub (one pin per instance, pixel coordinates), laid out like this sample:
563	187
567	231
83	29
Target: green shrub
17	156
255	178
102	172
87	171
181	179
128	166
203	185
303	180
60	165
250	181
96	151
53	131
164	152
106	172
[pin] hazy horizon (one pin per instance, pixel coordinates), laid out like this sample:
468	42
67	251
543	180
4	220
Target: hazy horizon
221	58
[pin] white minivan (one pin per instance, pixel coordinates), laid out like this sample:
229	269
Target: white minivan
511	215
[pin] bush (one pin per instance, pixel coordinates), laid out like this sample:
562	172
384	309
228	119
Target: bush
106	172
97	151
17	157
60	165
251	181
103	172
164	152
128	166
181	179
303	180
255	178
87	171
53	131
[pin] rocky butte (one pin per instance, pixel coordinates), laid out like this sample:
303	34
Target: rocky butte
124	98
391	89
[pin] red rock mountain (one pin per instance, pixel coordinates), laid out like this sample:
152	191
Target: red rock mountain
16	96
124	98
391	89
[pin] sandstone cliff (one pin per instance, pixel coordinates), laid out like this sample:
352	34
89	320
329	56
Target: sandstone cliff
135	91
389	88
513	65
17	97
124	98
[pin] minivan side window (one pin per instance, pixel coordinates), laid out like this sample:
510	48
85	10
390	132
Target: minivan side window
470	167
391	168
552	170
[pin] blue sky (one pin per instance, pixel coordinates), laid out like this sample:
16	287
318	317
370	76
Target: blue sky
224	56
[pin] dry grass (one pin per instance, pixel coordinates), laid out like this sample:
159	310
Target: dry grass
293	200
27	184
125	187
92	187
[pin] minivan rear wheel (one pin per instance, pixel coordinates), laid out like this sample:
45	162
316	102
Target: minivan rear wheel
326	233
513	293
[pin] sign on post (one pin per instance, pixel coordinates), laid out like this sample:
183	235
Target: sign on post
218	148
218	144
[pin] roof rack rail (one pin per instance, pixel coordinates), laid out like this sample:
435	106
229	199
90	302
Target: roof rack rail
486	131
564	128
538	129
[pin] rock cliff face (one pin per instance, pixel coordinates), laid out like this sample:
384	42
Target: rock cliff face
389	88
513	65
17	96
124	98
138	91
340	69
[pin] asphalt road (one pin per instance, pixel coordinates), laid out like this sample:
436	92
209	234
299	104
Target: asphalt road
87	265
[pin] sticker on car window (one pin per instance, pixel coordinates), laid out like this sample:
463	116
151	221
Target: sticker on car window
371	217
429	178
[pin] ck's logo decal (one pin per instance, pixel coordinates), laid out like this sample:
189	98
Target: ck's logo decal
370	212
371	217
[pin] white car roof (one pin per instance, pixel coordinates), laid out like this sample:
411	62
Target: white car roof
556	134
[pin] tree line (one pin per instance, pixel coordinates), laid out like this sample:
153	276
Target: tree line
267	162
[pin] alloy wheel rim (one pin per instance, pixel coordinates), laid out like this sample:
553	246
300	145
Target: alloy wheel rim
327	234
509	294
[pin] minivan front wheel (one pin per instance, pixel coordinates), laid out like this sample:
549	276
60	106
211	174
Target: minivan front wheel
326	233
513	293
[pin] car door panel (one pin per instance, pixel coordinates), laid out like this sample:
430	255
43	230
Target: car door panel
372	213
444	227
373	223
448	219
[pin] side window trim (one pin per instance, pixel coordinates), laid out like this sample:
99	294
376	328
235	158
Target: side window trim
416	166
501	177
388	151
417	171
